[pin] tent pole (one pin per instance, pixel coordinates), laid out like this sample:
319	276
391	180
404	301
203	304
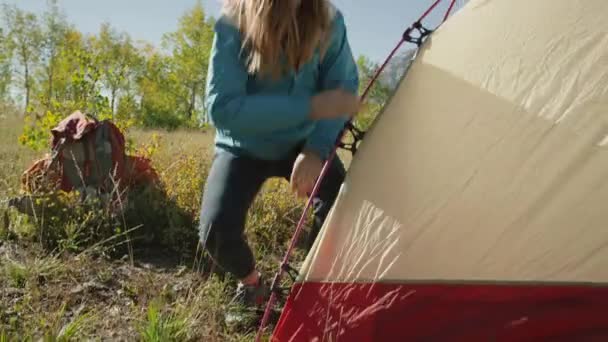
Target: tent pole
447	14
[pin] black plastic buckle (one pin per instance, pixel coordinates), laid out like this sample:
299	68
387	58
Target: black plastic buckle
291	272
422	33
358	136
281	291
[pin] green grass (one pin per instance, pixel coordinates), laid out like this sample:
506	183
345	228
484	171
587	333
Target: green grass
160	327
71	273
16	274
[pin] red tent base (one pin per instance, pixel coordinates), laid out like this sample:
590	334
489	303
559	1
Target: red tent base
464	312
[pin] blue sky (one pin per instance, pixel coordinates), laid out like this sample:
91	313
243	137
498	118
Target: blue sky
374	26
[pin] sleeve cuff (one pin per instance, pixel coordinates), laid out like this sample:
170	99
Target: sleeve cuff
322	150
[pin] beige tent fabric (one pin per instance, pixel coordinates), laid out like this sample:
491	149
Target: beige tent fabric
491	161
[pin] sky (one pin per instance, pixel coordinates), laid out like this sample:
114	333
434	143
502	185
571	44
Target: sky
374	26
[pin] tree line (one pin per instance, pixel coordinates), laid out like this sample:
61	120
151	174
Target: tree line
49	68
46	64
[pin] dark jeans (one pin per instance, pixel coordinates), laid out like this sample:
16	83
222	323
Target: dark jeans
232	184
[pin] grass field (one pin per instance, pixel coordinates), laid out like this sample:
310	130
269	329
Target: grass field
64	276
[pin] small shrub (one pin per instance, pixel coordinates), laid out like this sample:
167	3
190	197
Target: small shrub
63	220
162	326
5	224
22	274
273	216
16	273
163	223
196	316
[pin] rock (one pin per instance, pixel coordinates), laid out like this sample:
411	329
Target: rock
13	292
90	286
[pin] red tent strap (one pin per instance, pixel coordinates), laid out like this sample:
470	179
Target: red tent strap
358	135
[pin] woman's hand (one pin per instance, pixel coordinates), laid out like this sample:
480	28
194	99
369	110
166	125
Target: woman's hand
333	104
306	170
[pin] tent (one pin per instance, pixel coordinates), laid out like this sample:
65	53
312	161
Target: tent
475	207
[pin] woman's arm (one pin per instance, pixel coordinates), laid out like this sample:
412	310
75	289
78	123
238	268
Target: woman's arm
229	105
338	70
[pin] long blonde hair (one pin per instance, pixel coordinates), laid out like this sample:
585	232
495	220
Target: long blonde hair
276	29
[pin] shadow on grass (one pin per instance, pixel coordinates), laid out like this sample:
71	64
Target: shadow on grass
150	229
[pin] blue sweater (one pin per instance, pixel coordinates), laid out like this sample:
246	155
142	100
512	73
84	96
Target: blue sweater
267	119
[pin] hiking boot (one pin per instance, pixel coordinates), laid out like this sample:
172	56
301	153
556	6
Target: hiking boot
247	306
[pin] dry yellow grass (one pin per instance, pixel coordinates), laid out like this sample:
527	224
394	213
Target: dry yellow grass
43	293
14	158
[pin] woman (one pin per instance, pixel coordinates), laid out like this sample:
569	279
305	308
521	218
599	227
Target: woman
282	82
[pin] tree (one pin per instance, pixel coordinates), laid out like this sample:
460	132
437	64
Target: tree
78	87
85	74
5	66
396	68
190	46
159	91
54	31
377	96
119	59
25	39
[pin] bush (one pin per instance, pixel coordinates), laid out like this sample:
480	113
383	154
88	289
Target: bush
159	220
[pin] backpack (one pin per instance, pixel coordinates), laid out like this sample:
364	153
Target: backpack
87	155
